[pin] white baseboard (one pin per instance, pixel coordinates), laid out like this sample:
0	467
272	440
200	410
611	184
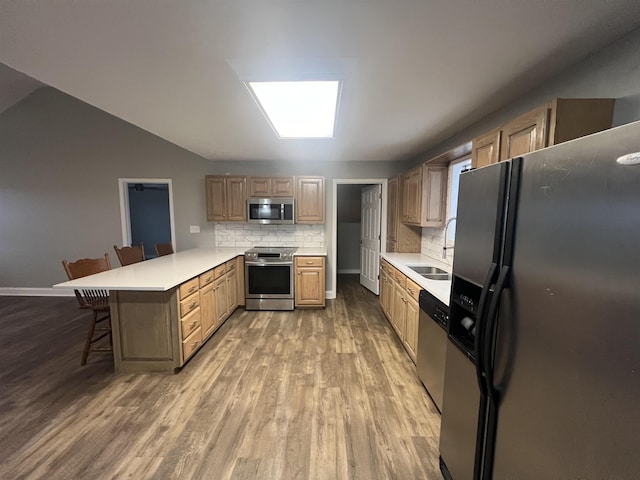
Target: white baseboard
349	270
330	294
35	292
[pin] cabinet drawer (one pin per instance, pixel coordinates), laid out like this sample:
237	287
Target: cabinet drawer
206	278
230	265
386	267
192	343
413	289
309	261
400	277
219	271
187	288
190	323
189	304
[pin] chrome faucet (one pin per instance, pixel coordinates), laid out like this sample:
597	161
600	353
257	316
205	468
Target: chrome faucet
444	247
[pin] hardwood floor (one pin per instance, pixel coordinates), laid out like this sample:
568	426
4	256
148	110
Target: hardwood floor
309	394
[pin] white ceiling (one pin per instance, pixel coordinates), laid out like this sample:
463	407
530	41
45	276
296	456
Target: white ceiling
415	71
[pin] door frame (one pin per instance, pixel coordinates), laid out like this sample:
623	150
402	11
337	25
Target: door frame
334	222
125	220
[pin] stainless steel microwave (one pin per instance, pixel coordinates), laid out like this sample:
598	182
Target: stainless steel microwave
270	210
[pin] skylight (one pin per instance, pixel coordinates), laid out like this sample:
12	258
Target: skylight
301	109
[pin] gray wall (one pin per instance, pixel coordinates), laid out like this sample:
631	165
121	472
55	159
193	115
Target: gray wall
60	160
613	72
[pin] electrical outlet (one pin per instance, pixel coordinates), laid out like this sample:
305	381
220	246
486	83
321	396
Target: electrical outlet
194	229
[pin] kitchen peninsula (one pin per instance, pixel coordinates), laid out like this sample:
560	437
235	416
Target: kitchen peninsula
163	310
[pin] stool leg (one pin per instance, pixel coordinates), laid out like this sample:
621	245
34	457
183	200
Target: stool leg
87	344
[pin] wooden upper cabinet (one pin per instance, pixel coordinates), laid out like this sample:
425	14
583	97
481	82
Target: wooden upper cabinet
486	149
216	198
571	118
424	191
226	198
411	186
525	134
560	120
265	187
309	200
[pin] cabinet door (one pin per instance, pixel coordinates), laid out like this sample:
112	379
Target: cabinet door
282	187
392	211
236	199
412	196
232	291
399	308
411	327
486	149
525	134
220	289
240	282
207	310
309	287
434	204
384	292
259	186
216	198
310	200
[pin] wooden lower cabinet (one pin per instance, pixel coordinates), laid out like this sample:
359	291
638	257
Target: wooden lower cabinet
220	289
398	311
207	304
412	314
309	282
232	287
399	302
160	331
240	280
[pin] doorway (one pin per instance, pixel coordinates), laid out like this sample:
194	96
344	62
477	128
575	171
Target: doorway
356	246
146	212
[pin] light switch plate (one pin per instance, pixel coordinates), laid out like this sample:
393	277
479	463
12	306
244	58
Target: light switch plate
194	229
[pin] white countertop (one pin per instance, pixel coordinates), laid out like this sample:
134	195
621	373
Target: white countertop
438	288
164	273
311	252
159	274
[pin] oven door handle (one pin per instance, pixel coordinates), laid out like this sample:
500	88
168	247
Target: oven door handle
266	264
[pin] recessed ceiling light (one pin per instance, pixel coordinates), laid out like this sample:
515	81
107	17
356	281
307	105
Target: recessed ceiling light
301	109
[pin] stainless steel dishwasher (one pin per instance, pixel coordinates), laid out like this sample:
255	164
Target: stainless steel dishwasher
432	344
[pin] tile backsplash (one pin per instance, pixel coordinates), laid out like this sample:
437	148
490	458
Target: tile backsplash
250	235
432	243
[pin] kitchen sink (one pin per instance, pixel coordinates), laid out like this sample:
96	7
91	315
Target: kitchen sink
431	273
436	276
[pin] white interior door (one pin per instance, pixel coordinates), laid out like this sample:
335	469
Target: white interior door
370	237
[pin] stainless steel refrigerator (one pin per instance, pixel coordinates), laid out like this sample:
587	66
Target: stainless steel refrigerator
543	362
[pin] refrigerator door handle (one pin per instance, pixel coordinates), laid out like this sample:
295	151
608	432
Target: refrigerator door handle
490	332
479	340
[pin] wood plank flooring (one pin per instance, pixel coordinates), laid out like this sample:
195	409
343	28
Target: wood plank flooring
314	394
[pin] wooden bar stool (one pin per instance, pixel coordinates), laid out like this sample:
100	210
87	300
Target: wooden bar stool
163	249
129	255
95	300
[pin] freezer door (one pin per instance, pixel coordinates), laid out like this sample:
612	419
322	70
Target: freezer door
567	364
480	217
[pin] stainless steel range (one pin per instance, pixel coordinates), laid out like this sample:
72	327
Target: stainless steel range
269	278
